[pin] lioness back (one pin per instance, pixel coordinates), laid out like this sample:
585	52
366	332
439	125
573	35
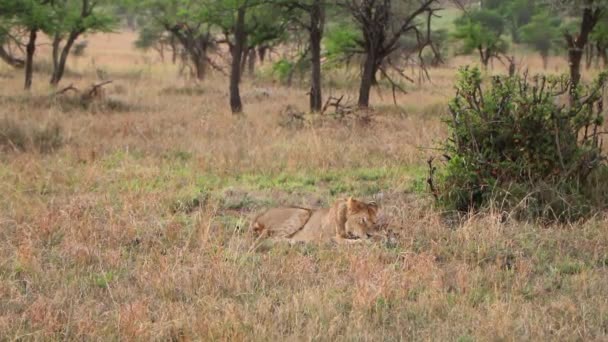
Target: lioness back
347	219
318	228
281	222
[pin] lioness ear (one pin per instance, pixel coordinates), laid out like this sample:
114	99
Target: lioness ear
373	207
352	205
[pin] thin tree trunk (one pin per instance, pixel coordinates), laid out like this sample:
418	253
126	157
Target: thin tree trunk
174	48
251	62
375	74
485	62
29	61
512	66
55	50
588	56
483	56
604	57
576	46
198	56
244	56
367	79
545	58
200	66
262	53
316	34
131	22
240	36
575	57
161	51
59	70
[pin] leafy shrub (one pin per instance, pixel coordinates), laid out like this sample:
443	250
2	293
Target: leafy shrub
340	42
282	69
513	145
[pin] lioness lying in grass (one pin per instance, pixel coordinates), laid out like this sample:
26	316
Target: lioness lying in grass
347	221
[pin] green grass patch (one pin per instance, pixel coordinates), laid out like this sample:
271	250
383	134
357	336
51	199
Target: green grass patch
103	280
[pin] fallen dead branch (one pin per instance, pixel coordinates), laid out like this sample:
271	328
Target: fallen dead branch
92	93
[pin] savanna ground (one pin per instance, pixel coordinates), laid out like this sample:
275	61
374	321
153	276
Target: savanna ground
131	223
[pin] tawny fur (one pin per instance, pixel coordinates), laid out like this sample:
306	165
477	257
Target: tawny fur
347	220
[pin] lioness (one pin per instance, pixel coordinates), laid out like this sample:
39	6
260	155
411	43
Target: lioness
348	220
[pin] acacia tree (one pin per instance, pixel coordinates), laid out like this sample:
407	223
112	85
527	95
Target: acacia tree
518	13
481	30
157	38
542	33
383	24
591	13
30	16
186	22
310	15
242	21
599	37
72	18
265	27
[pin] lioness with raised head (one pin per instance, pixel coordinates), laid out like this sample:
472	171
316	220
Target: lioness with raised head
348	220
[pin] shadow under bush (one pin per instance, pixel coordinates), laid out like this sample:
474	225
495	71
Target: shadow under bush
516	146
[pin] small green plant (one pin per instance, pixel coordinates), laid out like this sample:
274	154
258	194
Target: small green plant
515	146
103	279
282	69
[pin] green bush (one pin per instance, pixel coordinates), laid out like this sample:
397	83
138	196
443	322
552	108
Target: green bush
515	145
283	69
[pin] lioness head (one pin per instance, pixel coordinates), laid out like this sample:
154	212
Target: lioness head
360	218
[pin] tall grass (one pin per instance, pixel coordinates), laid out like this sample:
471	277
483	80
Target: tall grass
135	228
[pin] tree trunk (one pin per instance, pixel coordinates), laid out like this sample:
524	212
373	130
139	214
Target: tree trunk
375	74
485	62
131	22
240	36
545	58
512	66
161	51
251	62
604	57
262	53
243	61
484	56
588	56
576	45
200	66
59	69
10	59
367	79
174	49
316	34
198	55
55	50
29	61
575	57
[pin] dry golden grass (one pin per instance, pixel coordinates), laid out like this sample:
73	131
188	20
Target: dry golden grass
136	229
